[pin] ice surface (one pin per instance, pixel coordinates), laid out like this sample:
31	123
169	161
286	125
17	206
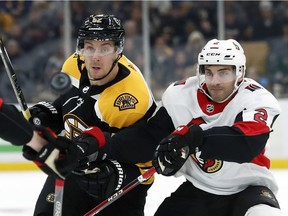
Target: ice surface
19	191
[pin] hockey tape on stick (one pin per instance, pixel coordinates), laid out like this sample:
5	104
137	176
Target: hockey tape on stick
121	192
58	202
59	184
13	79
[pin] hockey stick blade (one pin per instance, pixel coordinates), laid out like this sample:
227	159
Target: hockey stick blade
121	192
13	79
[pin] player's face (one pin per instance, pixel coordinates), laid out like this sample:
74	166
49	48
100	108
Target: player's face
220	80
99	57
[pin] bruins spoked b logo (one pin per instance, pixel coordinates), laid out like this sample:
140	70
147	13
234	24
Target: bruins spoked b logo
125	101
50	198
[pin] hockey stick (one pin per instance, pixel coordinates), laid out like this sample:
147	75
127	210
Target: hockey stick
13	79
121	192
59	184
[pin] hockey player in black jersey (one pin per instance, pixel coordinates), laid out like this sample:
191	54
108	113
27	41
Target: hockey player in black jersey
216	125
109	93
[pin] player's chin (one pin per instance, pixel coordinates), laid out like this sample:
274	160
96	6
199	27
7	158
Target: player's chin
95	73
217	97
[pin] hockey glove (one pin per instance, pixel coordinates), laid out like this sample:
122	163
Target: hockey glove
106	177
173	151
45	114
91	144
60	156
50	154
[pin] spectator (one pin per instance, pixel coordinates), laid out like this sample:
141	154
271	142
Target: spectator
194	44
277	61
266	25
161	60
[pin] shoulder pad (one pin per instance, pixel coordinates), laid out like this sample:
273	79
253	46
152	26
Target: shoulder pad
70	66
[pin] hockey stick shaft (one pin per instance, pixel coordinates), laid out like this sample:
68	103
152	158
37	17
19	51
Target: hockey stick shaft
13	79
58	202
121	192
59	184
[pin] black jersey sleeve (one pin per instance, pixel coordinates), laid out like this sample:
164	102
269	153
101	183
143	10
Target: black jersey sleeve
14	127
137	143
232	144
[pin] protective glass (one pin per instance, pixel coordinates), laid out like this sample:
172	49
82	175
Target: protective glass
221	76
90	51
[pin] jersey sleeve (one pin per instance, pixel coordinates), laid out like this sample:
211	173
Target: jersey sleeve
141	139
246	139
71	68
13	122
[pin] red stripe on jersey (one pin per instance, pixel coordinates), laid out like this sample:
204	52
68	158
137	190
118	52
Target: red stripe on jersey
261	160
197	121
252	128
1	102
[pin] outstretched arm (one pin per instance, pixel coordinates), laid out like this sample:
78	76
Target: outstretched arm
14	127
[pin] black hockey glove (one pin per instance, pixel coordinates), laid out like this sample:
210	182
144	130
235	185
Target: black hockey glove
61	156
91	143
45	114
57	150
173	151
83	149
106	177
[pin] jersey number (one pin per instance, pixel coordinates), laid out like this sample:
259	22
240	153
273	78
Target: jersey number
261	116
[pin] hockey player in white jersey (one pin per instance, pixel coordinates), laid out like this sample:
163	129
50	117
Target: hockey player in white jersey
223	122
225	165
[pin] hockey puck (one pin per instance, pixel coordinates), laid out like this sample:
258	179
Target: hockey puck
60	83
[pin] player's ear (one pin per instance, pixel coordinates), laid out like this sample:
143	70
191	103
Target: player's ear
242	74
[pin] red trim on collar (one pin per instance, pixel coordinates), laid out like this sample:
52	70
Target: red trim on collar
208	106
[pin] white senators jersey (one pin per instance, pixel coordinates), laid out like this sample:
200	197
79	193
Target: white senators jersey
251	111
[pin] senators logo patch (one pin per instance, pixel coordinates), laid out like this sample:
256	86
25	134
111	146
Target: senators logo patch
125	101
208	166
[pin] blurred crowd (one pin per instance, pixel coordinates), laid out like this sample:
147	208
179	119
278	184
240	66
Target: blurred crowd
33	35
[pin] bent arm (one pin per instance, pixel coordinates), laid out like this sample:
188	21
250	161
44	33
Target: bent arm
240	143
137	143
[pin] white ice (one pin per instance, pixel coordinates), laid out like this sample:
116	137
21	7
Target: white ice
19	191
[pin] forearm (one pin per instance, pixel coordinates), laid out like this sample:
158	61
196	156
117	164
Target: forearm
37	142
232	144
14	127
138	142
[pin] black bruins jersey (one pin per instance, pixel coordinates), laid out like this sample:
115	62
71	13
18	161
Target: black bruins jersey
111	107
